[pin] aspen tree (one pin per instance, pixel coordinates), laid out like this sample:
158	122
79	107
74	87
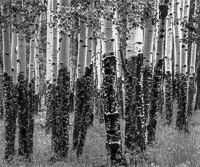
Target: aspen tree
109	87
37	46
31	92
23	96
156	100
168	64
54	44
87	81
192	75
49	42
14	56
79	85
10	115
183	87
148	68
1	77
176	37
63	89
134	114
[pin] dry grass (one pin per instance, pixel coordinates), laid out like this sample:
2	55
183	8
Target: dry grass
171	149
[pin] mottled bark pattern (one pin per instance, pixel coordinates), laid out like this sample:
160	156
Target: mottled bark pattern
147	84
1	90
140	115
63	106
181	121
176	88
155	100
111	112
197	103
168	98
58	114
84	116
31	100
49	98
191	93
130	104
120	96
23	116
10	101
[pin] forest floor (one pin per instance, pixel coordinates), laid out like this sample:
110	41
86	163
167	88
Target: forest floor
171	149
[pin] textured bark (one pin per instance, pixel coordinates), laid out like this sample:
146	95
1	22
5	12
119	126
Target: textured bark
140	115
191	93
111	113
130	114
10	104
63	104
86	116
155	100
197	101
23	121
1	89
181	122
8	89
168	97
147	85
31	109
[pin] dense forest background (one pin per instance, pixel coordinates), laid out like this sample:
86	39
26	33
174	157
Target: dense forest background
100	83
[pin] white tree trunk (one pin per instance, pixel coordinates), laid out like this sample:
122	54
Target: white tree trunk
49	42
14	56
21	56
81	48
176	35
6	45
54	46
31	59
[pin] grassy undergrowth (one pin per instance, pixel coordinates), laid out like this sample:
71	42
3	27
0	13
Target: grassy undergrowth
171	149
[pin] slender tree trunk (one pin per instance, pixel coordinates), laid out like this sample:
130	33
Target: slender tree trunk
49	44
168	65
109	88
80	101
63	89
1	78
22	96
177	46
156	94
31	94
148	69
191	63
10	112
182	122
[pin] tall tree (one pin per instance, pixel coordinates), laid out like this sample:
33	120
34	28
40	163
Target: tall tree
156	100
183	82
109	87
10	114
168	64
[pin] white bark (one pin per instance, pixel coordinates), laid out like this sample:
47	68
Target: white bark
31	59
184	50
134	43
169	41
176	35
193	49
49	42
81	48
148	44
63	41
6	45
14	56
21	54
54	46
